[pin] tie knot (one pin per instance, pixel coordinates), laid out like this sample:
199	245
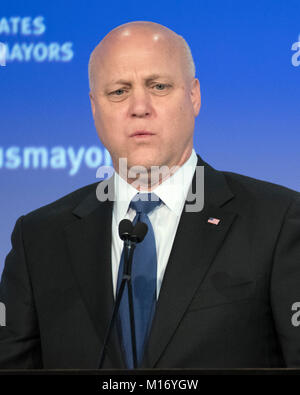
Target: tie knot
145	202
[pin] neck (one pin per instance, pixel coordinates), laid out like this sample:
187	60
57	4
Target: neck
147	179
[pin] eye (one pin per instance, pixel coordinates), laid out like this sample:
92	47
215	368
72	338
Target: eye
117	92
160	87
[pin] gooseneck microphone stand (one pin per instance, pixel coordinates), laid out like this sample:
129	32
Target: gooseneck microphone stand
131	236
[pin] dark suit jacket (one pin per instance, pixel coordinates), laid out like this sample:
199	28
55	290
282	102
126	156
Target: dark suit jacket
225	301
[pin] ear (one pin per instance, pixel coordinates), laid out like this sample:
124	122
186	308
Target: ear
196	96
92	103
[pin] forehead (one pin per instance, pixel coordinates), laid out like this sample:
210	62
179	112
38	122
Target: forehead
140	55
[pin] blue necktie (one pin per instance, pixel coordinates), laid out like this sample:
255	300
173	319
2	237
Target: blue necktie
143	278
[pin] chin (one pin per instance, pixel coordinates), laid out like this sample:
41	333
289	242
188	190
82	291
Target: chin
144	160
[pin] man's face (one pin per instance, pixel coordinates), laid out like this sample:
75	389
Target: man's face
143	104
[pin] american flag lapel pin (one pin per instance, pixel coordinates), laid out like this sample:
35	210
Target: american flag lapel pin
214	221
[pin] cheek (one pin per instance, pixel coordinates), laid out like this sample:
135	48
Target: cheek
111	131
179	119
108	122
104	116
186	113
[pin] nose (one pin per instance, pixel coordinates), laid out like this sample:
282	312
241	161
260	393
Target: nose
140	104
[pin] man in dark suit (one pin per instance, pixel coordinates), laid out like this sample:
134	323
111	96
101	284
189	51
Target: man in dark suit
228	275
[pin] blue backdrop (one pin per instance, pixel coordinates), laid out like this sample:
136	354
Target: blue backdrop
247	56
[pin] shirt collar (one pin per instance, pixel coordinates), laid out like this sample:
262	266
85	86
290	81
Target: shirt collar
172	191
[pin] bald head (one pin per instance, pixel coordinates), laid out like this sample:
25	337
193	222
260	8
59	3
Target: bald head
141	33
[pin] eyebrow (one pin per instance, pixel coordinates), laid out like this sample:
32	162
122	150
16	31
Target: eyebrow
147	79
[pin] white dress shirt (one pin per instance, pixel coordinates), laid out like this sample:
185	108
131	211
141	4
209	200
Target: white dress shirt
164	218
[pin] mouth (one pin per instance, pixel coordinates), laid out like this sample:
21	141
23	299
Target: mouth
141	133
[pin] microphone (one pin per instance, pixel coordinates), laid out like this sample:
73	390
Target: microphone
137	236
139	232
131	236
125	229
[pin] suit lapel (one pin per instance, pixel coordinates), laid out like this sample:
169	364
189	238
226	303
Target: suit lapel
89	242
196	244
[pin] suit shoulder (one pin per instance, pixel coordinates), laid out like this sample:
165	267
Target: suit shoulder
62	207
260	189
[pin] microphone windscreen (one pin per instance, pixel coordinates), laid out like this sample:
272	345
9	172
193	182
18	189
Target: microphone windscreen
139	232
125	229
